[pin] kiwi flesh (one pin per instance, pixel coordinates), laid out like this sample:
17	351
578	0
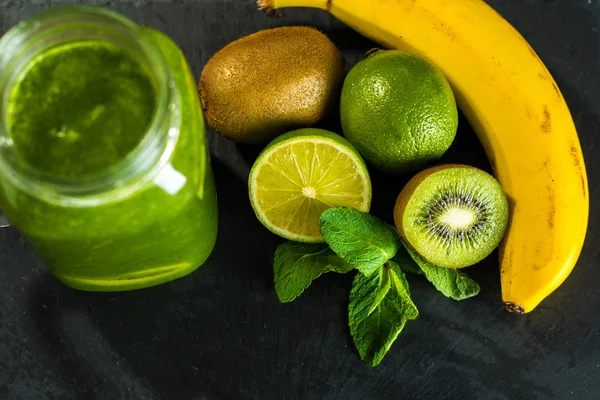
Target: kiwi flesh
271	82
452	215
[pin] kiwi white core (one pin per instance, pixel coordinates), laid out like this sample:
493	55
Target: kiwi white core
457	218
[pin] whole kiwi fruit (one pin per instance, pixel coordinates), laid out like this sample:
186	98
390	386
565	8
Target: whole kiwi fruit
452	215
270	82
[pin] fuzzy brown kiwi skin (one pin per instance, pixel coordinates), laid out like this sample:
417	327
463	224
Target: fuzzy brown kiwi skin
271	82
408	191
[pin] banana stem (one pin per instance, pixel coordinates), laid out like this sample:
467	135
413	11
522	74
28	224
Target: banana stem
270	5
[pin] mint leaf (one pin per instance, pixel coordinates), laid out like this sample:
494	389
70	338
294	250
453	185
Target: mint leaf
380	305
337	263
450	282
296	265
359	238
406	263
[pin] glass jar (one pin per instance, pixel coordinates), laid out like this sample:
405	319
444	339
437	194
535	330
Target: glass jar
104	165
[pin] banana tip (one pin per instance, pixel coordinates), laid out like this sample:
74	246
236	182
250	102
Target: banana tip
514	308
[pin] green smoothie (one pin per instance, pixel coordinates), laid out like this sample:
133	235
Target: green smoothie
77	110
80	107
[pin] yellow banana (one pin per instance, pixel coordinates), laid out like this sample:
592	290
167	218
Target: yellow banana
518	113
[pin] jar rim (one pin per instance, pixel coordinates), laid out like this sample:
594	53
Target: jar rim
72	23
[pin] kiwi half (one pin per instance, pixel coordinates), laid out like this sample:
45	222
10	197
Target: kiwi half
452	215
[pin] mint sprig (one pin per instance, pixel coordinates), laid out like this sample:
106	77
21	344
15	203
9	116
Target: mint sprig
296	265
380	302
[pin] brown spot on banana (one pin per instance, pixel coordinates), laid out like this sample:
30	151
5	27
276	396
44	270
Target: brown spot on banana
575	155
556	89
446	30
533	53
546	124
577	163
552	211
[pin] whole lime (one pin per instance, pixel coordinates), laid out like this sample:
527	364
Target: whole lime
398	110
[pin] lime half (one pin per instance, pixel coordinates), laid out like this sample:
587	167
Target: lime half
303	173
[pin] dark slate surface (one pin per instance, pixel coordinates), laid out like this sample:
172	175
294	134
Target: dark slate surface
220	333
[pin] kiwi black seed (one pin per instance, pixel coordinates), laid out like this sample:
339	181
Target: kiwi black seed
452	215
